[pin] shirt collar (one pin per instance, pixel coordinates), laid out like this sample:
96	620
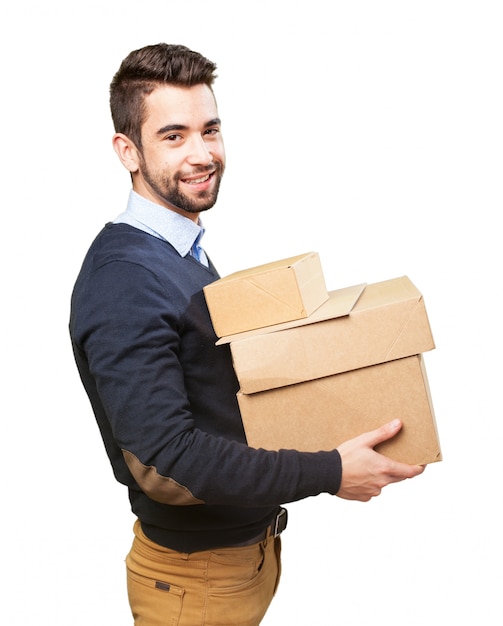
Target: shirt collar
181	232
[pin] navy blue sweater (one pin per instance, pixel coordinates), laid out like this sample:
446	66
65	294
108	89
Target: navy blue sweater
164	397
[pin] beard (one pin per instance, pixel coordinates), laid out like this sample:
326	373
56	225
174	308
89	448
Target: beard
167	187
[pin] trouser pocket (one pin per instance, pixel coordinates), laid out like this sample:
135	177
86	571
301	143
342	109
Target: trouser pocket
242	583
153	601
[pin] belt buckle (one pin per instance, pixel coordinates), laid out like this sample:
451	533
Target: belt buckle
280	522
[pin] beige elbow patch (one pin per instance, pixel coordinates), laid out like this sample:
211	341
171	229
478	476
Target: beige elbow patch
159	488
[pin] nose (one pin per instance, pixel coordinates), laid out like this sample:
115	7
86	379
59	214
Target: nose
199	152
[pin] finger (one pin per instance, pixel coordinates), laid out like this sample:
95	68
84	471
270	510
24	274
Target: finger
401	471
383	433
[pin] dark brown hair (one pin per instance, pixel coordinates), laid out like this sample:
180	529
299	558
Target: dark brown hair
145	69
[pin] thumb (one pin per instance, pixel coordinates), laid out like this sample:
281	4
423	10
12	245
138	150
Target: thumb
383	433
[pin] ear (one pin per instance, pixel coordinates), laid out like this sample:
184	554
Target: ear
126	151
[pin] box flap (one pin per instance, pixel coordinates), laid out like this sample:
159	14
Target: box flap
339	304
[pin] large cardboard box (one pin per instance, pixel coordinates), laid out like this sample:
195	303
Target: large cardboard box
358	326
285	290
321	414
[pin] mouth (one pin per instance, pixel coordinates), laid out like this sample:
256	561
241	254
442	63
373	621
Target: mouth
200	180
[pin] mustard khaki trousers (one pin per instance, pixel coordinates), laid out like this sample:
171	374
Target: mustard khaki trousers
222	587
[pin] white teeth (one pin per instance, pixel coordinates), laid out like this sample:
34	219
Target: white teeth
198	180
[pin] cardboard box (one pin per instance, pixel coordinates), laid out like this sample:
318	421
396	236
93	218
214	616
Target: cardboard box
321	414
357	327
285	290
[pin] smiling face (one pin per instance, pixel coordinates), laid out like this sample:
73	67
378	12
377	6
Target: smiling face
182	158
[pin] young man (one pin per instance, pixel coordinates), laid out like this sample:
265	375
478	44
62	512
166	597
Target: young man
206	547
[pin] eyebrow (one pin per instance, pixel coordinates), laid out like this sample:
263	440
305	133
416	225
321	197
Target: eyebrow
170	127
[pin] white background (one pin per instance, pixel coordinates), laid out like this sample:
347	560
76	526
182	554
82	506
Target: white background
368	131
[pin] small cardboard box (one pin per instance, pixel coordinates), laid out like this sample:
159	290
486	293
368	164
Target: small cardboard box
321	414
282	291
358	326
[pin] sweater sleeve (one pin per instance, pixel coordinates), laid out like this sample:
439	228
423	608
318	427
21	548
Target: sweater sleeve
130	340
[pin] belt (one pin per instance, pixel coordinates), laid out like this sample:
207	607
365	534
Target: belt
279	523
275	528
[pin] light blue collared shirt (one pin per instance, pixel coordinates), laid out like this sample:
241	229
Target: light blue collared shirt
181	232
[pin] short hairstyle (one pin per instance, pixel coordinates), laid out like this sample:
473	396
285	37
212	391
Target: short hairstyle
145	69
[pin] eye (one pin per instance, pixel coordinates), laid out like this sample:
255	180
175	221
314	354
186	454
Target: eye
211	131
173	137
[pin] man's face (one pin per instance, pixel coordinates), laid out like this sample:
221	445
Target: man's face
183	156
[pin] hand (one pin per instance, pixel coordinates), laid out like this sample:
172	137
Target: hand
364	471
